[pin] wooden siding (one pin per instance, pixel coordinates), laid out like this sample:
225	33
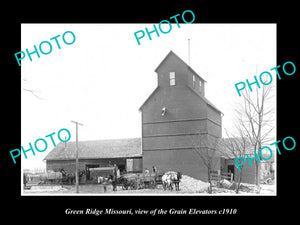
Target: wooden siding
186	161
213	115
181	127
214	128
248	174
174	64
171	142
168	141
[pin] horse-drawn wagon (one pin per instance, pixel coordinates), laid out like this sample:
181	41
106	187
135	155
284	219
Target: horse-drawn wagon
51	177
129	181
151	180
136	181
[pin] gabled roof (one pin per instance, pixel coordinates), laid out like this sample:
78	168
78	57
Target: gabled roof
206	100
155	90
189	68
185	64
202	97
113	148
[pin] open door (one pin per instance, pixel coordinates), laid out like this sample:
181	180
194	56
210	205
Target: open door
129	165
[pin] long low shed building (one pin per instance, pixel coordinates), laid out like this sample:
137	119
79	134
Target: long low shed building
125	153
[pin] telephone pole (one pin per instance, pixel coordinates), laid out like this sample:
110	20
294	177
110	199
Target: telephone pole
76	163
189	51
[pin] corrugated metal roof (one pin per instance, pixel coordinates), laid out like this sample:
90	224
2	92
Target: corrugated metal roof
113	148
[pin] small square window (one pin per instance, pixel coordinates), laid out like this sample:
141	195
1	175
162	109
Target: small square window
172	78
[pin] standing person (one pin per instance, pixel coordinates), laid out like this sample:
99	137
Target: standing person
115	170
118	172
154	169
114	180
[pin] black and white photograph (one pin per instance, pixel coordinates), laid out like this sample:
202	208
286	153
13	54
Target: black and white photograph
185	113
129	113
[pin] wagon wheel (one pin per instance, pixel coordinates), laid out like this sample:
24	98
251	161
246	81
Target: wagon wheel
141	185
134	185
152	184
124	187
269	181
146	184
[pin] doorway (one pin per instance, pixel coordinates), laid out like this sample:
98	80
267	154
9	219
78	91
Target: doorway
230	169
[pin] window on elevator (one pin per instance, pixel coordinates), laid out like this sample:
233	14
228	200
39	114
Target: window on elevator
200	85
194	81
172	78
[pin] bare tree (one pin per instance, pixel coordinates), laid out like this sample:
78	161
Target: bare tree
205	146
256	119
26	86
235	146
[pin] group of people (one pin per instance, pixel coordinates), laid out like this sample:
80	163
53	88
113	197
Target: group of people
154	170
116	175
168	179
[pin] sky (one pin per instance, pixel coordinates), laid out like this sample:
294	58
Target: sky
103	78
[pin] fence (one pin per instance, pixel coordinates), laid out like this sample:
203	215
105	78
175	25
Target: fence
217	176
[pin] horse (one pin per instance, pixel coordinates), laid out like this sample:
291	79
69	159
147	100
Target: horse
114	181
170	178
67	177
177	180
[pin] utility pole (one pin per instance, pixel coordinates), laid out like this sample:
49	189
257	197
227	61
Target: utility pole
76	163
189	51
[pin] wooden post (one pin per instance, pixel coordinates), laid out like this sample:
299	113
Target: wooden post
76	163
219	178
189	51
